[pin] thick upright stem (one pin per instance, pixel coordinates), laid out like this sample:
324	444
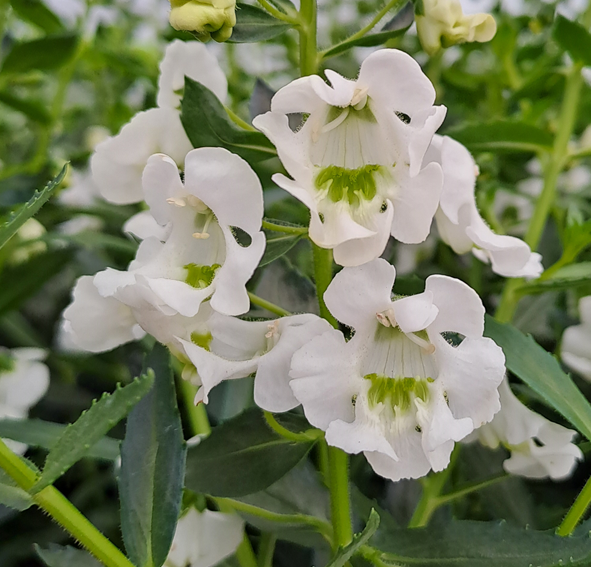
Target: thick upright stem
308	45
578	509
338	474
323	275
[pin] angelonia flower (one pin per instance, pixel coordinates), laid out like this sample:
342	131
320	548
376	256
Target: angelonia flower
442	23
539	448
119	161
24	379
459	223
357	161
417	375
576	342
206	18
238	348
203	539
192	264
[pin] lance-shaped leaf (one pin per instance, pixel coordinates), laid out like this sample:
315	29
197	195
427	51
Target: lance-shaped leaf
66	556
345	553
244	455
91	426
207	124
573	38
254	24
14	497
50	52
25	211
44	434
542	373
152	468
563	278
35	12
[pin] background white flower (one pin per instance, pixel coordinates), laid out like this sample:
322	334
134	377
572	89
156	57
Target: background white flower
576	342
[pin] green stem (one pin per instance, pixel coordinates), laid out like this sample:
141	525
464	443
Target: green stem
238	121
307	31
288	18
284	228
319	525
366	29
469	488
62	511
245	554
306	437
266	549
323	275
196	414
576	512
338	472
260	302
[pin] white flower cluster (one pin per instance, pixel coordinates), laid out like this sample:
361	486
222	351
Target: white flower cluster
416	375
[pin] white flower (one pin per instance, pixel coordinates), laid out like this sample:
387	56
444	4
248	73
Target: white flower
118	162
24	379
356	161
203	539
398	390
81	192
539	448
576	342
239	348
444	24
200	257
460	224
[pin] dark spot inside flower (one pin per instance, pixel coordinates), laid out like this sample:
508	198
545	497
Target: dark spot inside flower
418	429
242	237
404	117
321	217
384	207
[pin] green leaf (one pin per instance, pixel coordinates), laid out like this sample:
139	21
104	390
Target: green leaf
31	276
563	278
152	468
479	544
254	24
14	497
278	244
66	556
91	426
25	211
44	434
35	12
345	553
207	124
34	109
573	38
244	455
50	52
542	373
501	136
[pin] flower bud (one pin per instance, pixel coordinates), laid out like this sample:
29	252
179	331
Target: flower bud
441	24
206	18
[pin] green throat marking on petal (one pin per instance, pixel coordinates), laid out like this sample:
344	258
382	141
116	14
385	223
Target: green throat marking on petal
199	276
6	363
202	340
352	185
398	392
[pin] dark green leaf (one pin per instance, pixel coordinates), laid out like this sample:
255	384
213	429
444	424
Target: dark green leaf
31	276
34	109
14	497
207	125
345	553
502	135
50	52
25	211
278	244
66	556
286	6
35	12
44	434
564	278
254	24
152	468
573	38
244	455
542	373
480	544
91	426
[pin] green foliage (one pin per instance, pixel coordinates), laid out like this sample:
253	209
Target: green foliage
35	12
47	53
279	243
542	373
254	24
344	554
91	426
44	434
33	109
207	124
65	556
562	278
25	211
14	497
152	467
244	455
573	38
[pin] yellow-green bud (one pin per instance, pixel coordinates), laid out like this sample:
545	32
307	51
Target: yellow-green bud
444	24
206	18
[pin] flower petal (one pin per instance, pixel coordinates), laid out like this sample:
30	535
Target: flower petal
415	313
